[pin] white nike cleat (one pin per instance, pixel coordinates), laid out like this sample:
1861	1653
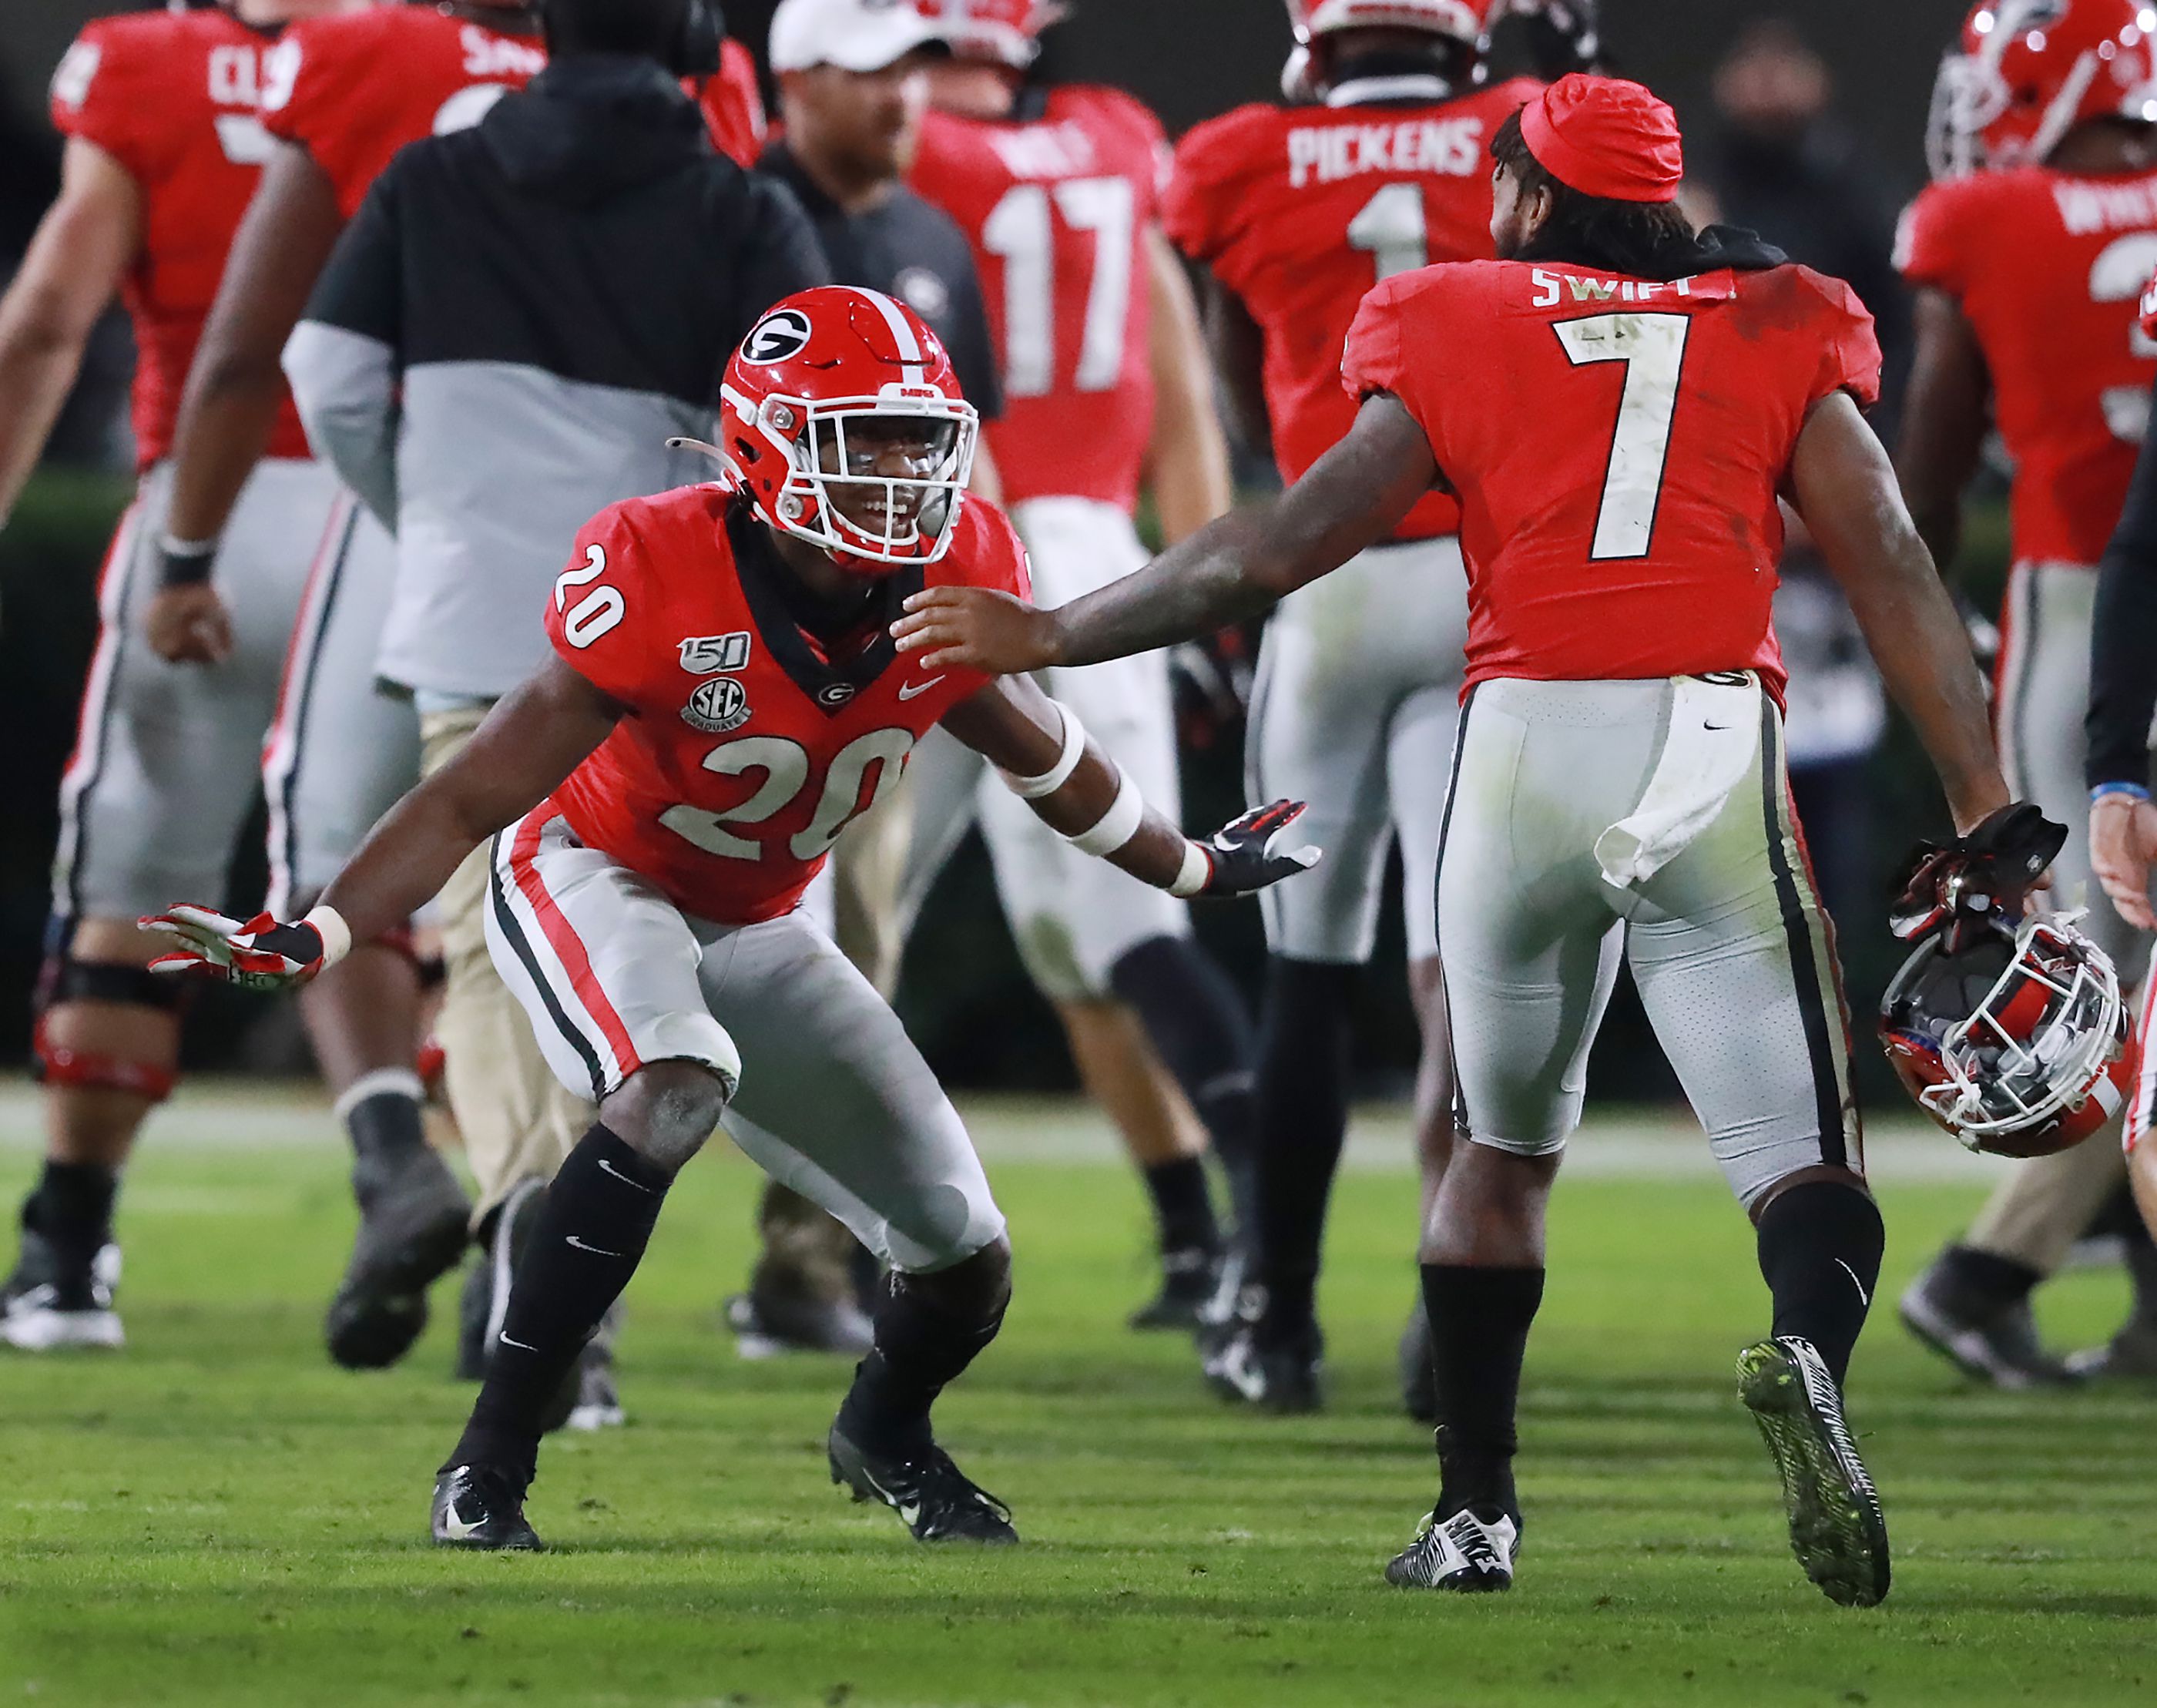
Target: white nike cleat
1464	1554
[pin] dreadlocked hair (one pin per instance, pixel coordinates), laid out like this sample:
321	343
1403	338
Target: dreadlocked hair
1639	240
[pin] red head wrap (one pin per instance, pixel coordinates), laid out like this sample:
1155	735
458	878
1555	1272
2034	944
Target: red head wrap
1605	136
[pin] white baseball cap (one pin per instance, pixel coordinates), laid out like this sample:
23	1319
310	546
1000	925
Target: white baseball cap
855	35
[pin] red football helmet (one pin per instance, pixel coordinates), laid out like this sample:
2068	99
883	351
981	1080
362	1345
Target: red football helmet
1465	21
1006	31
2147	312
818	362
2026	72
2017	1043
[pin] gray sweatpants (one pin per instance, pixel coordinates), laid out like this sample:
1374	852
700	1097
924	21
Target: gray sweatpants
1727	942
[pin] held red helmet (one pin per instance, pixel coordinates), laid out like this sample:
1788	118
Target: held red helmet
2017	1043
2026	72
1467	22
826	364
1006	31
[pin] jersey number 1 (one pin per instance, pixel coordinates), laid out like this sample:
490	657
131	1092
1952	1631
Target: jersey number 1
1652	347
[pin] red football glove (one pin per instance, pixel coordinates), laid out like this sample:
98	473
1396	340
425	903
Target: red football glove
260	955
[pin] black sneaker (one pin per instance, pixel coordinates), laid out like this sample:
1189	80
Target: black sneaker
770	1328
1277	1368
479	1506
49	1305
937	1500
504	1234
1837	1530
2129	1356
1418	1368
1465	1554
2001	1348
412	1218
1189	1279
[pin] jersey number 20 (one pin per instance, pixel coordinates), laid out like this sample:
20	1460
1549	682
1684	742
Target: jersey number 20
786	765
1652	347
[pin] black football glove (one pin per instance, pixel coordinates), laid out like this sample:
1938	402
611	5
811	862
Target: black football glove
1975	880
1249	853
1561	35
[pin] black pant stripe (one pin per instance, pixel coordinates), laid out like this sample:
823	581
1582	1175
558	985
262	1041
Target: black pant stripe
309	667
75	807
1437	883
1791	893
2023	634
506	917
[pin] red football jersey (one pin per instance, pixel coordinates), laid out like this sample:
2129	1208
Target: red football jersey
2048	269
1058	208
353	88
1617	446
1300	210
173	96
746	751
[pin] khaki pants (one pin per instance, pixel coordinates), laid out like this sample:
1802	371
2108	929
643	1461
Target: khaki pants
2037	1214
517	1122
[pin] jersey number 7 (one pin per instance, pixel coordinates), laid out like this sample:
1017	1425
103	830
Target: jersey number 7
1652	347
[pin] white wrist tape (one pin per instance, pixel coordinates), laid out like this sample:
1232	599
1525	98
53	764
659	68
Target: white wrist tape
1190	877
336	934
1117	826
1057	774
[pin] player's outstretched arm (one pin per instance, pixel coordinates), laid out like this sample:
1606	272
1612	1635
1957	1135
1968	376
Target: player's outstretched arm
1233	568
1845	488
1186	463
1943	417
82	247
530	742
1046	758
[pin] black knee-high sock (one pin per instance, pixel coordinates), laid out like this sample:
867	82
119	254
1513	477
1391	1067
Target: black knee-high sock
1478	1335
1196	1020
1304	1047
382	1115
1820	1245
599	1215
72	1208
919	1348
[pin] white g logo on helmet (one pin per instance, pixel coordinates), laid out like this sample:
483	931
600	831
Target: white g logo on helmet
782	333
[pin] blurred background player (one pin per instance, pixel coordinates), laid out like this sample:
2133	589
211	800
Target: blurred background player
485	384
345	92
853	85
2029	253
160	111
1105	391
1295	215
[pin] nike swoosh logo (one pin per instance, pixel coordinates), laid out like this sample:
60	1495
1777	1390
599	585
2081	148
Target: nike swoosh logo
607	1167
907	691
455	1528
596	1251
518	1345
1715	725
1863	1297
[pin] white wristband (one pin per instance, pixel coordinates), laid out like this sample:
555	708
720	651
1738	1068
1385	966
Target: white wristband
1191	876
1117	826
336	935
1057	774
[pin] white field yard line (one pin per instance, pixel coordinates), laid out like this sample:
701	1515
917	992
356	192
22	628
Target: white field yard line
226	1115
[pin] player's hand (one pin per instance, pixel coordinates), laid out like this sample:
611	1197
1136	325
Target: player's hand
1985	875
2122	846
1251	853
973	628
1562	35
188	625
257	954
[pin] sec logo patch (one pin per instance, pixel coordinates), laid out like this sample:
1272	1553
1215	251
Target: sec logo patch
718	706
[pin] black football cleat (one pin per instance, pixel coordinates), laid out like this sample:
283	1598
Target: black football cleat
2000	1346
1273	1368
1837	1530
2129	1356
772	1327
1189	1279
481	1506
412	1229
938	1501
1464	1554
50	1303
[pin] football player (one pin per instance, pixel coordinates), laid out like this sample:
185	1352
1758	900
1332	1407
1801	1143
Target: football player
344	93
723	698
1057	186
163	115
2029	254
1295	212
1618	786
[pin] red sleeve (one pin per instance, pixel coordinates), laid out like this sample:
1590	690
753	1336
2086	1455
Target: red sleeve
1375	358
105	91
997	558
603	609
1200	207
734	106
1927	239
1850	358
329	87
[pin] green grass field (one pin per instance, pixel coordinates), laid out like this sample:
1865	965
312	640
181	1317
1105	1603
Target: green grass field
218	1515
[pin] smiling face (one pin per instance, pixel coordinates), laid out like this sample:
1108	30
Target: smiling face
868	451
